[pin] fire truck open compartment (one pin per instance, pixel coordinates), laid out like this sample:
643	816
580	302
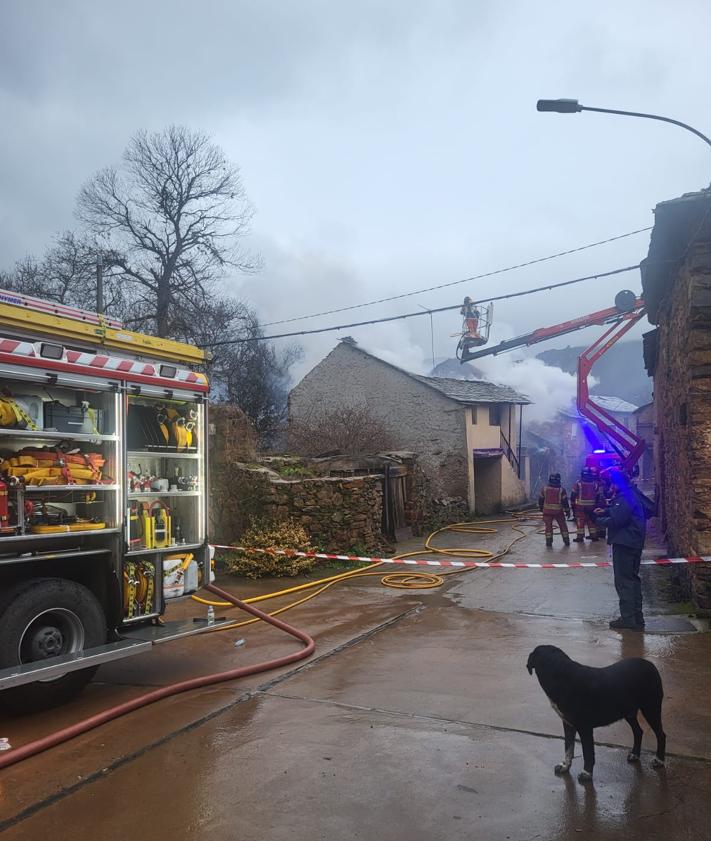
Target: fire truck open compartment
103	498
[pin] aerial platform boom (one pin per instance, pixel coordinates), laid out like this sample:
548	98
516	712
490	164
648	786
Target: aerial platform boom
628	310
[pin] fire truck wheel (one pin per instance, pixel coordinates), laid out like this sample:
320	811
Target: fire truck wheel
41	618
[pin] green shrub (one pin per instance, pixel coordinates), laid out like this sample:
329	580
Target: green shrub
295	472
287	534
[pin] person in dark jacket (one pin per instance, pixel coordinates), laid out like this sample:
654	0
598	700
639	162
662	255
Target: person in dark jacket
626	531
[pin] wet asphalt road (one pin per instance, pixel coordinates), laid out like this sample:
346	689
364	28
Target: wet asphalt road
416	719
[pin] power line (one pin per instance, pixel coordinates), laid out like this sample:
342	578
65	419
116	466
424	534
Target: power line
419	312
456	282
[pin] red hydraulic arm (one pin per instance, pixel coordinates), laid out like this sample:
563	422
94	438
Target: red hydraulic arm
621	319
628	445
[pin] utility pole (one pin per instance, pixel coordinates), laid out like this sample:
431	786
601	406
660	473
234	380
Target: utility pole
100	285
431	333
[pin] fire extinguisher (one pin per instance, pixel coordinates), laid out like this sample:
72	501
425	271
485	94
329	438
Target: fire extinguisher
4	509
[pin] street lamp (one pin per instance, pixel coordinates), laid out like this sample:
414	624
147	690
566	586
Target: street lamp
572	106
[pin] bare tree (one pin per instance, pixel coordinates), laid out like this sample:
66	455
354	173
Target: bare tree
165	227
353	430
67	274
250	373
173	218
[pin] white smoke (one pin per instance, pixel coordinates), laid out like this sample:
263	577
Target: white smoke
548	388
316	280
297	279
393	343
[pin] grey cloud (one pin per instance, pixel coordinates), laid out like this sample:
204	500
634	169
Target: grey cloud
386	145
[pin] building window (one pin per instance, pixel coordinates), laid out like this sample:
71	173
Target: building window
473	410
495	415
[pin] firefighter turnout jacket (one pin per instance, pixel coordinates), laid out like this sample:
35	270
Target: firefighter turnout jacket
553	500
586	495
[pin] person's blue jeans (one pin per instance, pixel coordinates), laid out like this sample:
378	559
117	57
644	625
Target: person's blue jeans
625	563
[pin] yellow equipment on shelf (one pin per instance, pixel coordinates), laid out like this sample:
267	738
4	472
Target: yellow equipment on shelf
155	526
65	528
138	588
162	525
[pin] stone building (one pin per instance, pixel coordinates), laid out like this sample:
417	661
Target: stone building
466	434
676	284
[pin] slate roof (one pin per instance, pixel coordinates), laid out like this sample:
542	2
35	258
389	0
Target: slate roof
473	391
468	392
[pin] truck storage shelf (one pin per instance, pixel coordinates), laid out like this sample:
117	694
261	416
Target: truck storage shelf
47	435
161	454
52	556
13	538
171	549
28	489
149	494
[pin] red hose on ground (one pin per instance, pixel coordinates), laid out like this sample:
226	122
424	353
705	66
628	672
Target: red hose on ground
32	748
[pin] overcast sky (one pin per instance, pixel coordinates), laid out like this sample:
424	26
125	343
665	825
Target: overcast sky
386	144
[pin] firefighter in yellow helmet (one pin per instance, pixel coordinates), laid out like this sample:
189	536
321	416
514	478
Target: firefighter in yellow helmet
553	502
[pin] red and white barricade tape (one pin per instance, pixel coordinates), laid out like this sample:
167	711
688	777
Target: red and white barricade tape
694	559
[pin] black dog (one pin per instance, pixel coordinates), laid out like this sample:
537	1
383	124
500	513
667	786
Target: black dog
586	698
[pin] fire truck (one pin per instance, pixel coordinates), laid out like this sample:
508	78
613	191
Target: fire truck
103	495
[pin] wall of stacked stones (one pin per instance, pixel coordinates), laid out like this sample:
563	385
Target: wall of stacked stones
682	393
340	514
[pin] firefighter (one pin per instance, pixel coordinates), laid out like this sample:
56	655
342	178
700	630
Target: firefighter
471	318
553	502
585	497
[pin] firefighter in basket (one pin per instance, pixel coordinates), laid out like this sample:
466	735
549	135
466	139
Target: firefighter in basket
553	502
585	497
470	328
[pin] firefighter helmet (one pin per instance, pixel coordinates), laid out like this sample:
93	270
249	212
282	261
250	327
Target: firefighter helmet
554	479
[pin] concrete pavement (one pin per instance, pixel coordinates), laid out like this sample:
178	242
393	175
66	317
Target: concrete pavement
417	720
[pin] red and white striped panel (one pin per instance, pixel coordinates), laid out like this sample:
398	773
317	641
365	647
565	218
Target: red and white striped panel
93	363
17	348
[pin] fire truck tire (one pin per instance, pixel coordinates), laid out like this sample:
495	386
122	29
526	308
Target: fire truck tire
41	618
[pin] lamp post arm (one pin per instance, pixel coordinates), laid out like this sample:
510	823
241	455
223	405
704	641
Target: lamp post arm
649	117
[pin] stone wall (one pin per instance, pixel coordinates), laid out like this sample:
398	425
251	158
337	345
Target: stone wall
341	514
231	440
231	434
682	393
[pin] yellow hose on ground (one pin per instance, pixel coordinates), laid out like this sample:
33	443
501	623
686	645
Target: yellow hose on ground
398	580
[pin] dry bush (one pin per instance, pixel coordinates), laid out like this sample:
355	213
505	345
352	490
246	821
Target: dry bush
353	430
287	534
